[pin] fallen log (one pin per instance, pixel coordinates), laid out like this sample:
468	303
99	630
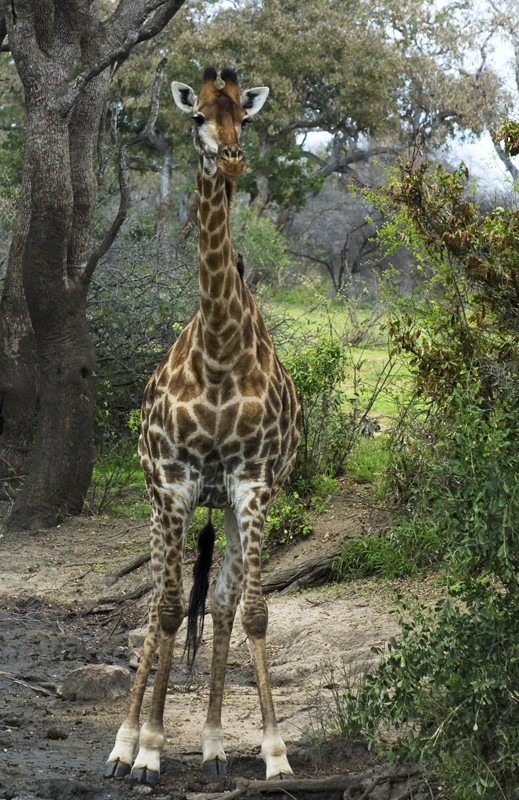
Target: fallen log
345	786
312	572
113	577
108	603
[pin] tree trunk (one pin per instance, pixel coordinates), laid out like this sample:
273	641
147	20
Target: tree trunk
54	248
164	205
18	372
65	424
51	262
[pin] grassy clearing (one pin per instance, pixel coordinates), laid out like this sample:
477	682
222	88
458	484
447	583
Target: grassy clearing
373	378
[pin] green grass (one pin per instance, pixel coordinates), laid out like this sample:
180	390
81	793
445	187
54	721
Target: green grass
118	487
372	377
408	549
368	459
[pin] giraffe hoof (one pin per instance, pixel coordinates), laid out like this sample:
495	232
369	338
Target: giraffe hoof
117	769
215	767
145	775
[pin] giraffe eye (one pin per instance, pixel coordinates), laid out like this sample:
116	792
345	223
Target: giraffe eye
199	120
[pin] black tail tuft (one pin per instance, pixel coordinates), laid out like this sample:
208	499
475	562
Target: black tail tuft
197	598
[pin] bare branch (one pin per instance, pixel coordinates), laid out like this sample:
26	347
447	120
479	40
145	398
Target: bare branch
124	202
507	162
296	125
344	163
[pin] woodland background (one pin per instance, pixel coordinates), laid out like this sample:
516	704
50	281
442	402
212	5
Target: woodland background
387	274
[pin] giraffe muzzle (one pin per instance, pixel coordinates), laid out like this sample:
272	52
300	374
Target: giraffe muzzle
230	161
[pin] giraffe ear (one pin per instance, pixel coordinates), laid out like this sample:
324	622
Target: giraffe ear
252	100
184	97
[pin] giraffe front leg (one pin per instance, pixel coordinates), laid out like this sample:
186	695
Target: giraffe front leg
254	616
146	767
121	758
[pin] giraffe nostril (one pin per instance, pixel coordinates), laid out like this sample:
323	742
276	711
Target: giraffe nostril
229	153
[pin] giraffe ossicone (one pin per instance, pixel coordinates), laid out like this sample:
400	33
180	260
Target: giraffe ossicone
220	428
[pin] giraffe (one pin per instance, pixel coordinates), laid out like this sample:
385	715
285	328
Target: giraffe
219	428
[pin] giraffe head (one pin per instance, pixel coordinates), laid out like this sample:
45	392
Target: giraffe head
220	115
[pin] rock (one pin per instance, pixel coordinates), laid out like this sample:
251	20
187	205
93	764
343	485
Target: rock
136	637
96	682
135	642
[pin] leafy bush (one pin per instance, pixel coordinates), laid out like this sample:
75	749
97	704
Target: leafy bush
447	687
448	684
288	517
466	318
138	305
261	244
317	369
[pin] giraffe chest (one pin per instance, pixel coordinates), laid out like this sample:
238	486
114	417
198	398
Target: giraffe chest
212	445
209	427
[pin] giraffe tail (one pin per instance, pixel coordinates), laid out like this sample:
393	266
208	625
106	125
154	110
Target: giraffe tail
197	598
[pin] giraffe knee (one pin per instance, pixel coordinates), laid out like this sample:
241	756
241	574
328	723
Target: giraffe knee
254	618
171	618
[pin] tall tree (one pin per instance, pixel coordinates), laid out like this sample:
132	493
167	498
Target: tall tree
374	76
65	52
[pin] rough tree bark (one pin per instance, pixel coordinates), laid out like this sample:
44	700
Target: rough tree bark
18	371
158	142
44	334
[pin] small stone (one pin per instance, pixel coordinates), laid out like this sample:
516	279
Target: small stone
96	682
136	637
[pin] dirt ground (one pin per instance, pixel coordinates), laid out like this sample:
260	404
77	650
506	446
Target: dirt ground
60	608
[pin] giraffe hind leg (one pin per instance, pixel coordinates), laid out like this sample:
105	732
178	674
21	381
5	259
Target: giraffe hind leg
225	598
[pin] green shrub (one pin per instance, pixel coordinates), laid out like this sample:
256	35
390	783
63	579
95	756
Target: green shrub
289	517
259	241
117	486
327	422
408	548
448	684
445	691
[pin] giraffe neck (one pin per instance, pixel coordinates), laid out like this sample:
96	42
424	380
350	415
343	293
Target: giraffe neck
222	292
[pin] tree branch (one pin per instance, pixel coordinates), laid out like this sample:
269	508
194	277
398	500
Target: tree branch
160	19
507	162
124	202
296	125
139	30
3	28
343	164
366	782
